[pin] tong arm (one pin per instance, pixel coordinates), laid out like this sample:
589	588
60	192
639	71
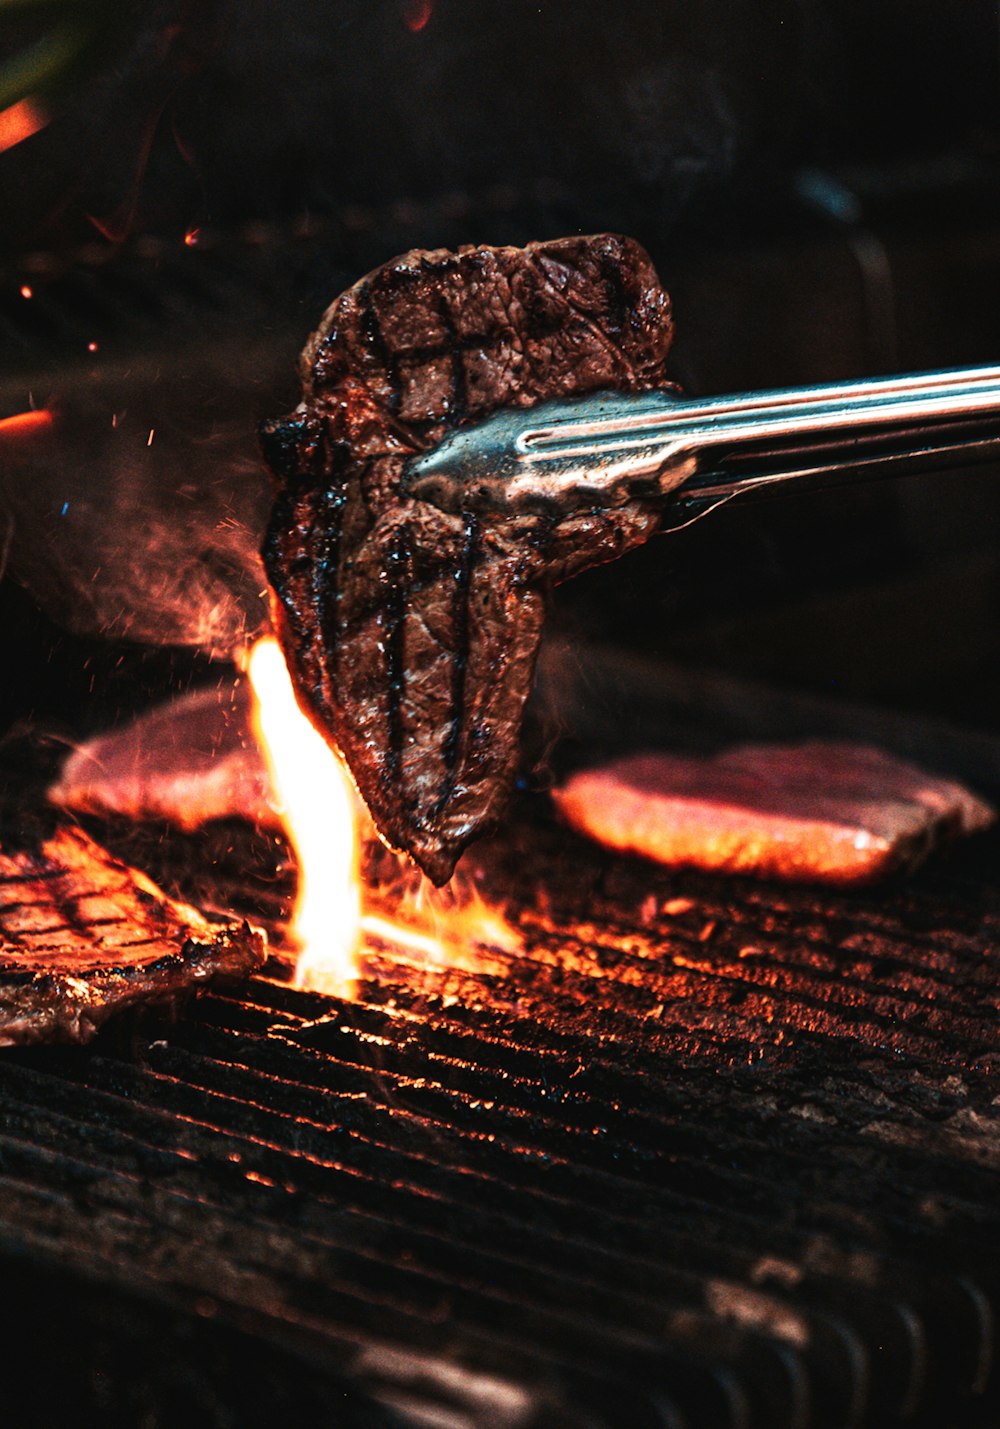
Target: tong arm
611	446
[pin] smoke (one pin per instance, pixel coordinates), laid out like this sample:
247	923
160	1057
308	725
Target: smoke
139	513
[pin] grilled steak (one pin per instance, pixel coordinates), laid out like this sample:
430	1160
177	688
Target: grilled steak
411	633
188	761
824	811
83	936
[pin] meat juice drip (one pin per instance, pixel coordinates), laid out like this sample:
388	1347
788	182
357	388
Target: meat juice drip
330	925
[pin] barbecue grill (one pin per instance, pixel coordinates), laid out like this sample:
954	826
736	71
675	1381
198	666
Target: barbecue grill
704	1152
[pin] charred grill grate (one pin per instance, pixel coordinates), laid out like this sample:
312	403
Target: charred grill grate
708	1154
720	1155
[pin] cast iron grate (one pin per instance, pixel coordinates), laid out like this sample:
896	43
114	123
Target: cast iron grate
708	1153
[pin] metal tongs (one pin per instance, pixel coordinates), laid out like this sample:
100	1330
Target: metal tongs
611	447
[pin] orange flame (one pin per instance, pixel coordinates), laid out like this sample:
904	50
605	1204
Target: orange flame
315	802
320	813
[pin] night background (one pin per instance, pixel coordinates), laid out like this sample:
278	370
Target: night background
817	183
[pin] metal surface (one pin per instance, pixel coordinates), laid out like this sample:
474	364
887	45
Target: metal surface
708	1154
612	446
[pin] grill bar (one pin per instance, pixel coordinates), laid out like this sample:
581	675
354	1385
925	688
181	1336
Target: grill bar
720	1154
525	1291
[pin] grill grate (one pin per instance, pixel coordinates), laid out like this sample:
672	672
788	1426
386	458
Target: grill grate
709	1153
733	1163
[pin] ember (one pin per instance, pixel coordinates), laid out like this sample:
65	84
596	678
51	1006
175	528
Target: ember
416	14
25	422
19	121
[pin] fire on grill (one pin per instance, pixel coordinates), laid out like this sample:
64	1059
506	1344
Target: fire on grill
259	760
674	1146
411	611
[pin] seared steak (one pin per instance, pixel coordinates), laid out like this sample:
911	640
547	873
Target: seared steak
826	811
188	761
83	936
411	633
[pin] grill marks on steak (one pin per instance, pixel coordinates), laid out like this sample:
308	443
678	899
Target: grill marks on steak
83	936
411	633
822	811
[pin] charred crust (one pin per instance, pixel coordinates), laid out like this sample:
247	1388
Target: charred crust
282	442
160	951
398	576
469	556
366	581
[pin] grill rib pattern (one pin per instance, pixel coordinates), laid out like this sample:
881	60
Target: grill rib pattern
705	1154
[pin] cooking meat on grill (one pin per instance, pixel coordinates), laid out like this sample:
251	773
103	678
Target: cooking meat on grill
189	761
823	810
83	936
411	633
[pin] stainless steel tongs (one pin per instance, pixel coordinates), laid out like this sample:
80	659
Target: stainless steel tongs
612	446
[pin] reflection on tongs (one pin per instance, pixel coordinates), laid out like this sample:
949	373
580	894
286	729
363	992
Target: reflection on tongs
611	447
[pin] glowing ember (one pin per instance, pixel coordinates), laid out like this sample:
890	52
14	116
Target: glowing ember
25	422
416	14
320	813
19	121
316	804
26	292
191	237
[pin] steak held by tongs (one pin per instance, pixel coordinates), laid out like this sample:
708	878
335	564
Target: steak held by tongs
475	428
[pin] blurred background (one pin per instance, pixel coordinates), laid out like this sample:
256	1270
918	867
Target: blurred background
187	186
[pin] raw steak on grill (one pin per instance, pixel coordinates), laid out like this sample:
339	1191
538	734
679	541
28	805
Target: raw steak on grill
83	936
411	633
824	810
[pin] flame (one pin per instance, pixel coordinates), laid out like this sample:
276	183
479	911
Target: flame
443	924
320	812
316	804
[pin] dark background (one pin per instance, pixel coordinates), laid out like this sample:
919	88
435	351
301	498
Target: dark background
817	180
